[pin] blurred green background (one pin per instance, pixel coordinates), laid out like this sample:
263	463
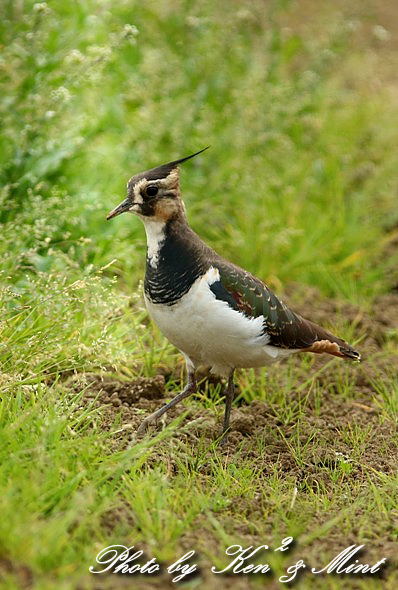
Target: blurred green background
298	100
299	184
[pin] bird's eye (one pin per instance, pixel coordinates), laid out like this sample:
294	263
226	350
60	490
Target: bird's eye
151	190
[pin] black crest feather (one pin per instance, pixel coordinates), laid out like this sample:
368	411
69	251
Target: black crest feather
165	169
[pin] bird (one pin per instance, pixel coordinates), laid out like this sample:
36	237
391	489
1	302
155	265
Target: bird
215	313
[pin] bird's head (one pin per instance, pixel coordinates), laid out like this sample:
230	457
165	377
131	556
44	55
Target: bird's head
155	193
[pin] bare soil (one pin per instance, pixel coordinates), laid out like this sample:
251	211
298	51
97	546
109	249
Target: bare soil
123	404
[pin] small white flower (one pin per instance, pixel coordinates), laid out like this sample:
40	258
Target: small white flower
130	31
381	33
74	57
62	94
41	8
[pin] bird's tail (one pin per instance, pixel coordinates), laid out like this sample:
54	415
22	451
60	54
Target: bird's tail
327	342
349	353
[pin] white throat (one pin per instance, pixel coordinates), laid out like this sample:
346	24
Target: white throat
155	237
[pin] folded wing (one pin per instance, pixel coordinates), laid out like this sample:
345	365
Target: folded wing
247	294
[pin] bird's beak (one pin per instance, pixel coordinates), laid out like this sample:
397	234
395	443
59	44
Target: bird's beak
124	206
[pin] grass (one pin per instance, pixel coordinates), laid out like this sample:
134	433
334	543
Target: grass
299	186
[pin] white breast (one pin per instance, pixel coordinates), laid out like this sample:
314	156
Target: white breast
155	237
210	333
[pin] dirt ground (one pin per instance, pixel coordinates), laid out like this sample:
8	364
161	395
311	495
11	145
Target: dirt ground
126	403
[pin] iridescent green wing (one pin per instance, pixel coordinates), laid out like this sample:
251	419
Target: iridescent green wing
247	294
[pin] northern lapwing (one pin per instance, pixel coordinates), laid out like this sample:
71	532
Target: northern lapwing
217	314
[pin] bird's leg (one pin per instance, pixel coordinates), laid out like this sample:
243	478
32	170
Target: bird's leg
187	391
229	396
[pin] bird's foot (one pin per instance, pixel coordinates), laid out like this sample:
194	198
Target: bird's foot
222	443
144	426
187	391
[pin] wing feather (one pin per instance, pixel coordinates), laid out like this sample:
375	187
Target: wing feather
287	329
